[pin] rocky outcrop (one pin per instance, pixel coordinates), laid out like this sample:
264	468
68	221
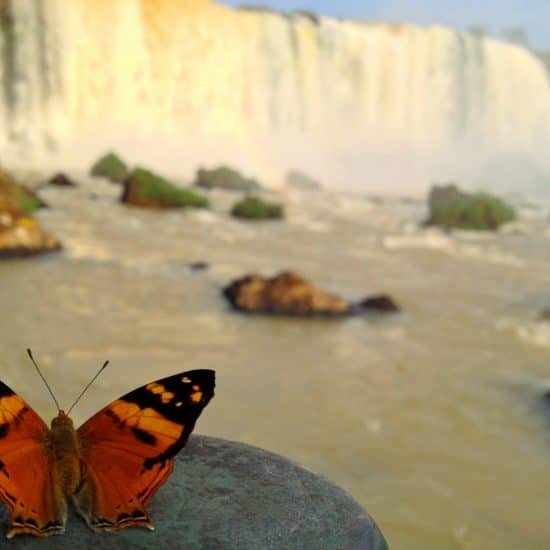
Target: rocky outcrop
24	237
254	208
286	294
290	294
382	302
61	180
20	234
451	207
148	190
226	178
110	166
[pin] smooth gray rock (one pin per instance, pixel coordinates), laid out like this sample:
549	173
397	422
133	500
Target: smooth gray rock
227	495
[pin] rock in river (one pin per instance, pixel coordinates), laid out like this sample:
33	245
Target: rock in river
20	234
285	294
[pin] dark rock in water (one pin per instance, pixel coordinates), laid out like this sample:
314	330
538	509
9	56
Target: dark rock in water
290	294
198	266
61	180
285	294
227	178
299	180
451	207
20	234
382	302
148	190
544	315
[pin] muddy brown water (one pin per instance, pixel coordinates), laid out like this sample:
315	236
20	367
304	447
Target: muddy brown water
430	418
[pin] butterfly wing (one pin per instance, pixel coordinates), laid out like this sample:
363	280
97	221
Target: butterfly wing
28	485
127	448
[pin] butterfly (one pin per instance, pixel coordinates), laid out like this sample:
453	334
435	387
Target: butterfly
111	466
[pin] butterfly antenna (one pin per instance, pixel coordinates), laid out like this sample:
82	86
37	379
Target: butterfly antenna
43	379
88	385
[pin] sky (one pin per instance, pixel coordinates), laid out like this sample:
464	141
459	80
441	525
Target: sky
495	15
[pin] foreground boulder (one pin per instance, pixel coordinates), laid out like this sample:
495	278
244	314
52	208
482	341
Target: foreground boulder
227	178
253	208
290	294
20	234
451	207
146	189
110	166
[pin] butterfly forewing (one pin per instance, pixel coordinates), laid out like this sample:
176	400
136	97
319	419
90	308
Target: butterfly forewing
127	447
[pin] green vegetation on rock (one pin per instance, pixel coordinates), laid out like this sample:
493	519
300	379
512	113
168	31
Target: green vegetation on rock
15	198
253	208
110	166
450	207
224	177
28	202
157	191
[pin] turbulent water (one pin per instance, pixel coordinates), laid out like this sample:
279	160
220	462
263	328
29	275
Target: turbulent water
430	418
176	82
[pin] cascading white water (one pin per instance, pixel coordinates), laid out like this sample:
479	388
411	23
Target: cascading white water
181	81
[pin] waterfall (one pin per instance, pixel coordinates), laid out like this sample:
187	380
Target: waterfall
181	82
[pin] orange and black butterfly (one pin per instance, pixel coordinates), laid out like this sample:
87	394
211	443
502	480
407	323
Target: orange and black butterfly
110	467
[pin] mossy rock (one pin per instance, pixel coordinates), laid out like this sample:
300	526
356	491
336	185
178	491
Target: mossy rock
253	208
110	166
20	234
227	178
450	207
146	189
17	199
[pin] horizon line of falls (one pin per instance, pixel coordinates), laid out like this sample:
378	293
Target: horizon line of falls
174	83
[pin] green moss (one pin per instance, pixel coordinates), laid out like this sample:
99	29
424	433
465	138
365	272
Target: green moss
152	186
110	166
26	200
224	177
253	208
480	211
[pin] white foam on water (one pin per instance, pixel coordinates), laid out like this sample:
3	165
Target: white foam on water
536	333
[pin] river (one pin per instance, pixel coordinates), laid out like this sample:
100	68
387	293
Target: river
431	418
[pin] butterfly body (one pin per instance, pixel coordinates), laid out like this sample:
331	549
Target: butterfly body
110	467
63	445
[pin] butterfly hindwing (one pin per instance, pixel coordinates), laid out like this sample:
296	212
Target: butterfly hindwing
127	448
27	484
